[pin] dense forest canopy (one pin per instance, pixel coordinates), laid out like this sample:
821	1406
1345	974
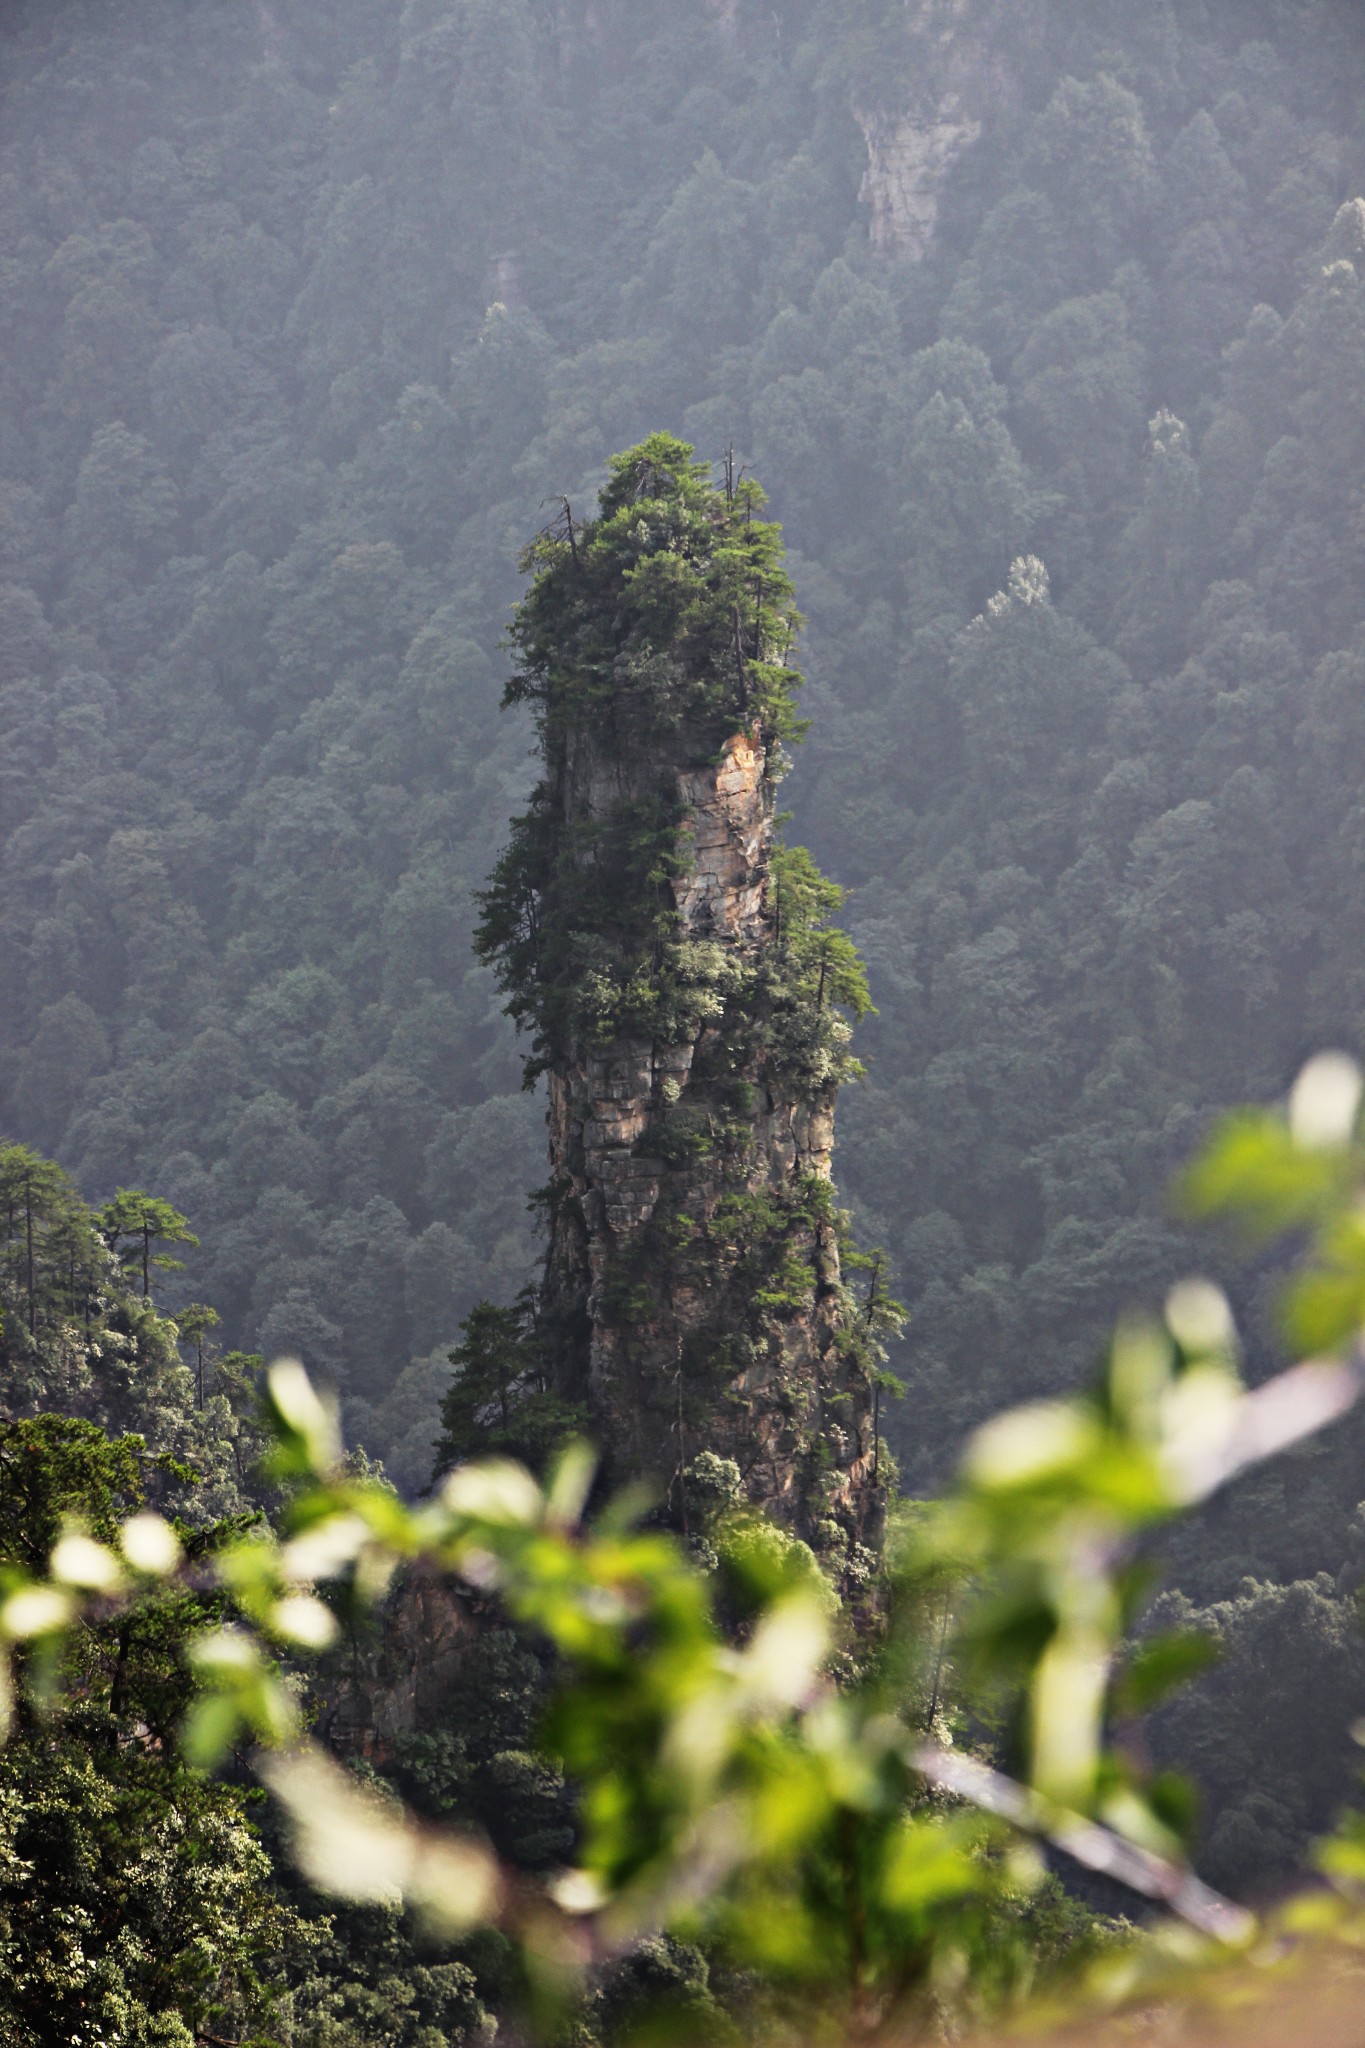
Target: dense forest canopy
142	1901
1044	323
309	308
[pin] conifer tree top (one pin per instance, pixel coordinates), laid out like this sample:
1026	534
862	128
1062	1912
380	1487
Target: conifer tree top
651	636
673	606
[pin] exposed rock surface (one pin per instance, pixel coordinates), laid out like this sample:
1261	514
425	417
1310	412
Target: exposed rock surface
908	160
399	1682
658	1248
916	135
684	994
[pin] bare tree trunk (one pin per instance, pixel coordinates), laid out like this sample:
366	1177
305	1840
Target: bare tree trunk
32	1291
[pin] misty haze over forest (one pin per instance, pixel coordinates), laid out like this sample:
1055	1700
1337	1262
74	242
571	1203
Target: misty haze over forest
1042	323
309	310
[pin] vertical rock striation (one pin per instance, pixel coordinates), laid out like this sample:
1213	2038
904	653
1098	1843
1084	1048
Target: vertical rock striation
688	995
669	1205
921	115
909	157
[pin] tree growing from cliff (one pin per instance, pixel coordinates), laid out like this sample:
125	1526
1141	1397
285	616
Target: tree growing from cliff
137	1222
501	1400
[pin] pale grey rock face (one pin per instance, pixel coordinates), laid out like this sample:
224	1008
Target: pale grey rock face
729	833
908	160
918	131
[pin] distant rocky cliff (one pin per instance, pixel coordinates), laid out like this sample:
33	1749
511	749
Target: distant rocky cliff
917	125
399	1680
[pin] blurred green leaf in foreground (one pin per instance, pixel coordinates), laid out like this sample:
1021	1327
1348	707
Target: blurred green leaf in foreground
847	1817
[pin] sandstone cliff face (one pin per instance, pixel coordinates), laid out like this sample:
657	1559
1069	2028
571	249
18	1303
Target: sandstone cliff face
915	138
648	1278
684	994
908	160
652	1257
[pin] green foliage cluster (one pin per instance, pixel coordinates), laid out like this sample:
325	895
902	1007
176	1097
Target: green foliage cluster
649	637
502	1399
136	1902
756	1846
667	617
804	901
80	1333
140	1902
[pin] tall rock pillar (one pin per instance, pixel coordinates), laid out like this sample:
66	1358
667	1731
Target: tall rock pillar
689	1001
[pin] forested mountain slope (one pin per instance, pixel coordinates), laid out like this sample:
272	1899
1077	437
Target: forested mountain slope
310	305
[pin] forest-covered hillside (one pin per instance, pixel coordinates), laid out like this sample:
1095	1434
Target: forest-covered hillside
1043	324
1045	328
